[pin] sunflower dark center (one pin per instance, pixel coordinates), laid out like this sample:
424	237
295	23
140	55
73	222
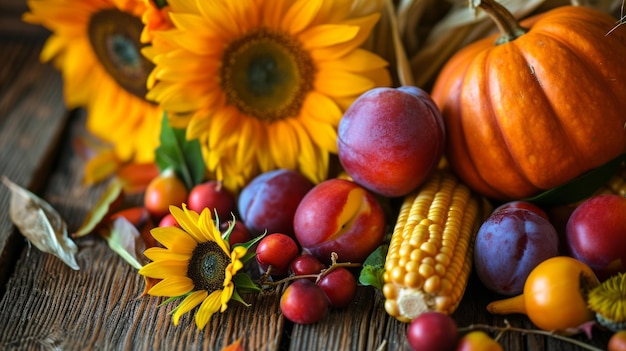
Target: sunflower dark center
267	75
207	266
114	36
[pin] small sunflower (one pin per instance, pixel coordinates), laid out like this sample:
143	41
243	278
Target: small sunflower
96	46
197	264
262	84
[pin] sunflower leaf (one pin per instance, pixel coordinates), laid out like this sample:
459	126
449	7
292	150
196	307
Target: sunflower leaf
125	240
41	224
238	298
374	267
182	155
174	298
248	244
244	283
110	199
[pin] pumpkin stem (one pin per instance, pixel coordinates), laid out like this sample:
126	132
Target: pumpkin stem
504	19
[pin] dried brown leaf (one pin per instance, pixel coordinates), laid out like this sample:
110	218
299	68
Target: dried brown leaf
41	224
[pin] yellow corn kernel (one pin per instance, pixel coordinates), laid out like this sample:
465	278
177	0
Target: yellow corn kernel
430	254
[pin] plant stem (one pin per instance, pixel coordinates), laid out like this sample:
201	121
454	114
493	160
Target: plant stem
504	19
334	265
508	327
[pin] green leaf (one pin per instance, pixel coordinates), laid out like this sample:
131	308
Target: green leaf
182	155
579	188
125	240
244	283
374	267
248	244
160	3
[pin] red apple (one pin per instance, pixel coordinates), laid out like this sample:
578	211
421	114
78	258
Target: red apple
390	140
339	216
596	234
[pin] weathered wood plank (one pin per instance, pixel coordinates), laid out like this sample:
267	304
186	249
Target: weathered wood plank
32	117
11	24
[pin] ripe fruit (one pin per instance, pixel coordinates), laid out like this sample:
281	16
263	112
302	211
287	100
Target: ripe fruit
525	205
617	342
509	245
276	250
554	296
238	235
432	331
339	216
596	234
168	221
339	286
303	302
513	123
214	196
306	264
478	341
163	191
269	201
389	140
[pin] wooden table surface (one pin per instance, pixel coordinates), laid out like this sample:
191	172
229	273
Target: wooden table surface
45	305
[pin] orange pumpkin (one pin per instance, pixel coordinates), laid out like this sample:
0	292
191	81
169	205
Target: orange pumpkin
540	107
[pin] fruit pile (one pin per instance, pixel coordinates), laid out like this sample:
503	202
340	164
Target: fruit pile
545	258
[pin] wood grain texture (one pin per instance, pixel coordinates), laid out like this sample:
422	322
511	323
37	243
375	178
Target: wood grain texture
32	118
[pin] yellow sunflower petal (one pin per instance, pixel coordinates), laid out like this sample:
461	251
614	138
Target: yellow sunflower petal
337	83
283	153
164	269
191	301
246	12
323	134
300	15
209	306
188	221
223	123
238	252
274	13
356	61
328	34
172	286
174	239
226	295
220	18
161	254
338	51
323	108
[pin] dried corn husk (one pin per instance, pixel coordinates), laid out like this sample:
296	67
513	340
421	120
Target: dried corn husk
431	31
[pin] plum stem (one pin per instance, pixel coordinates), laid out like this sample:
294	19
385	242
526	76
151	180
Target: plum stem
508	327
333	265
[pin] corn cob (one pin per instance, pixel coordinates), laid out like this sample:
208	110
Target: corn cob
430	253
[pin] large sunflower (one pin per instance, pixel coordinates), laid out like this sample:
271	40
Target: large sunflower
96	46
195	263
262	84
